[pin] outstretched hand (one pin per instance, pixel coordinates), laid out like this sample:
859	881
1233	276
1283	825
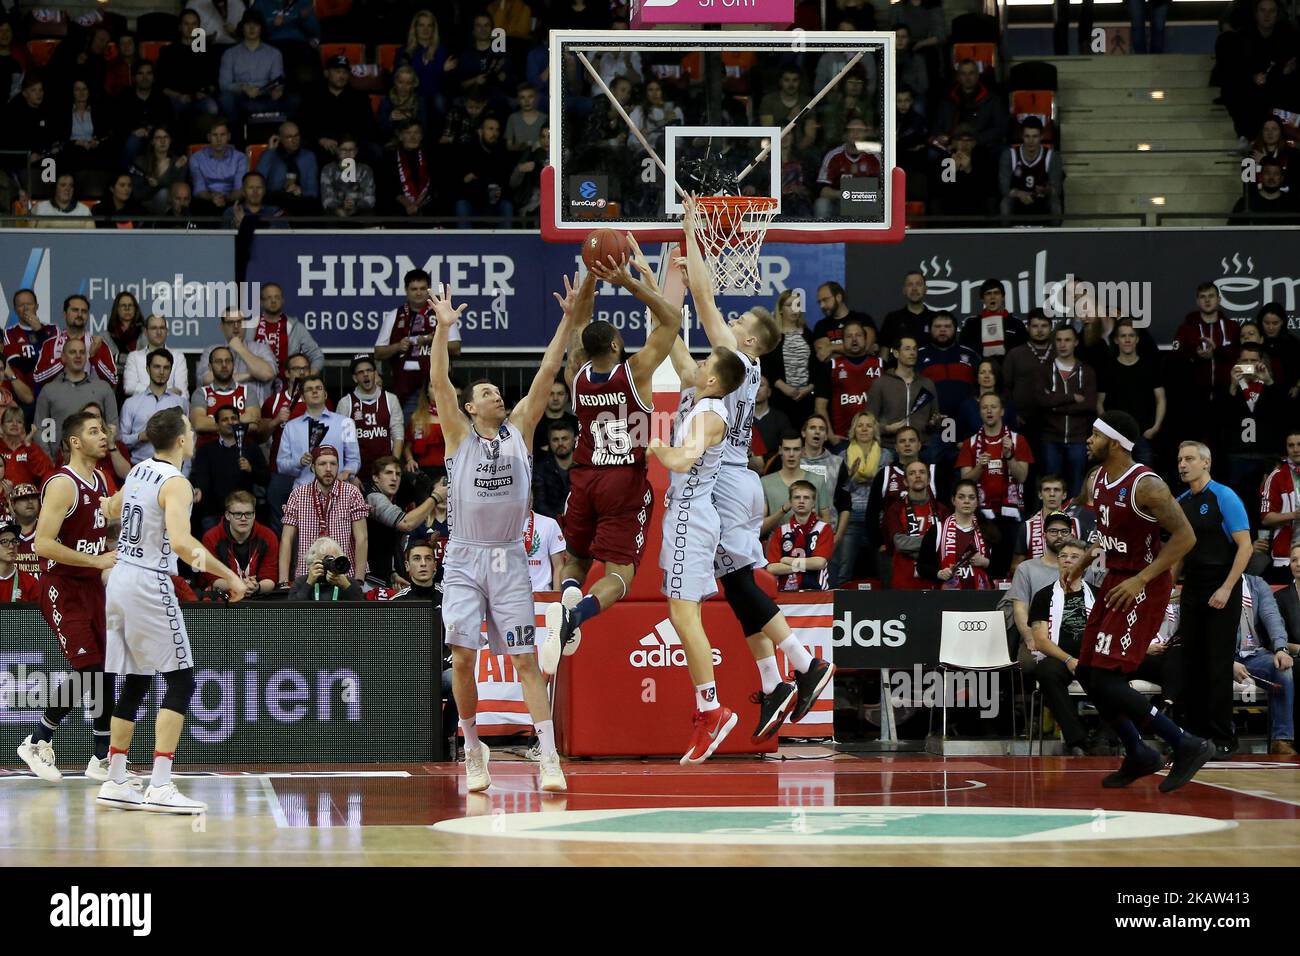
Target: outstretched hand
447	314
616	273
570	297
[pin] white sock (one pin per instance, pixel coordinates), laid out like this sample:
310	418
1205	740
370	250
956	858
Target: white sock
769	673
162	770
796	654
470	729
117	767
546	735
706	697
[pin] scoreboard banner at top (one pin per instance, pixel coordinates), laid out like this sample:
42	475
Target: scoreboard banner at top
651	13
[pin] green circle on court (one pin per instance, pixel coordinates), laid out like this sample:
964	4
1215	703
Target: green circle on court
817	826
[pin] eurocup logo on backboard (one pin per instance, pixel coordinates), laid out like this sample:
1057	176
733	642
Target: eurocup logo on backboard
587	193
587	190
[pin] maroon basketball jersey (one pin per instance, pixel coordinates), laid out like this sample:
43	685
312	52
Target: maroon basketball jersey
1130	537
613	423
84	526
27	559
374	436
1026	175
850	382
215	398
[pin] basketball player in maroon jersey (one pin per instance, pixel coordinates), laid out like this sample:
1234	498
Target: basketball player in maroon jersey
71	541
1133	505
610	501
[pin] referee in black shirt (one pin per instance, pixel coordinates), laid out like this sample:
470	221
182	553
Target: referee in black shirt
1211	595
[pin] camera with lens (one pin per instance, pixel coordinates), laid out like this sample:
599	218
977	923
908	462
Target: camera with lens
336	564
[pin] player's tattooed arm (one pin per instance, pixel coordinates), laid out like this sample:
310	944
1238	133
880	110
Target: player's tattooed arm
454	426
1152	496
700	283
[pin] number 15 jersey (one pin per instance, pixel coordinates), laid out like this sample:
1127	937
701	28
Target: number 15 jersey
613	422
143	539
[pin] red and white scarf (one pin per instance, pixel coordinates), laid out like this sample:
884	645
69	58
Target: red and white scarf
275	333
993	331
949	555
414	183
796	539
1034	538
997	470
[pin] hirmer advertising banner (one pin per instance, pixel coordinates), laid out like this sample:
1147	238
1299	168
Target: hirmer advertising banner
1148	274
341	285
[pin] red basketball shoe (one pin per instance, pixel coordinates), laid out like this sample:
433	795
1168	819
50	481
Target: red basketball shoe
710	731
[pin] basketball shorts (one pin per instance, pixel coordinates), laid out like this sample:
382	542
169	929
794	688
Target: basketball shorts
689	547
1118	640
483	582
146	632
738	497
74	610
607	512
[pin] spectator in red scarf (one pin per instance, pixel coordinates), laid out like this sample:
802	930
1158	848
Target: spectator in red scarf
404	341
998	460
993	331
244	545
407	184
16	585
799	550
283	335
953	551
1206	344
907	521
76	314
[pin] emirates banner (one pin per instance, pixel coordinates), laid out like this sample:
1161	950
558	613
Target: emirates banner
1148	274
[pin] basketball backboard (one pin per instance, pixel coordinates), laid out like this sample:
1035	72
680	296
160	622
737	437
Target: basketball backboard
804	118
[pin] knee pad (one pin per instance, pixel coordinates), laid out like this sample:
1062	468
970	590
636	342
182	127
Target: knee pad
134	689
180	688
751	605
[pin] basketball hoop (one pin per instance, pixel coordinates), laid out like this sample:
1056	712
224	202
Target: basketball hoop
731	231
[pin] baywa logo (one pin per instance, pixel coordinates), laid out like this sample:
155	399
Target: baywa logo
663	648
871	632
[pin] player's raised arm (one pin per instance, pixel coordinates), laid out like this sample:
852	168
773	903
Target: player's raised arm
668	318
578	304
454	424
700	282
707	429
528	412
176	496
59	496
1152	496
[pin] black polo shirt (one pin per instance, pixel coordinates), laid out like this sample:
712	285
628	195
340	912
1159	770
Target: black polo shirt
1215	513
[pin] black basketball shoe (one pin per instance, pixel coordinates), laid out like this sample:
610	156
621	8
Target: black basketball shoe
810	685
772	709
1191	754
1146	761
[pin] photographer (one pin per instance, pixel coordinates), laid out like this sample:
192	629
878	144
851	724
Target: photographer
327	575
1251	420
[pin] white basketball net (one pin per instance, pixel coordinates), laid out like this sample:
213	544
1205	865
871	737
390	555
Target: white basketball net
731	230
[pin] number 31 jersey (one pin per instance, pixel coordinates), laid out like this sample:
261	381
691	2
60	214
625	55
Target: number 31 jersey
613	422
143	539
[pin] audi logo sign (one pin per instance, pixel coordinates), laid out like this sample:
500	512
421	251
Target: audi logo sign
889	630
972	625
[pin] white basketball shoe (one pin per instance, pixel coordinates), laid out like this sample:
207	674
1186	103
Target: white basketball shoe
167	799
477	777
39	756
123	796
551	776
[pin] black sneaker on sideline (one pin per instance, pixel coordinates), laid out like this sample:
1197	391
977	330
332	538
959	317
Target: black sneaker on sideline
810	684
1191	754
1146	761
772	709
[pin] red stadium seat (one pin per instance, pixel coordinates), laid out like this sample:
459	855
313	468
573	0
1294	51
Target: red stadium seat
915	208
150	49
984	54
355	52
255	151
386	55
332	8
1040	103
195	147
41	51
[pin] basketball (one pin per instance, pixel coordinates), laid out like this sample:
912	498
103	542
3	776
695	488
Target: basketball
600	244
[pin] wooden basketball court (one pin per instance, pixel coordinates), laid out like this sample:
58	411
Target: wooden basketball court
812	808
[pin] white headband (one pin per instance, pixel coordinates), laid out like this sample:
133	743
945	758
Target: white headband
1112	433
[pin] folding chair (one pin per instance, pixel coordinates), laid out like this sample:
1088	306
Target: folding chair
975	641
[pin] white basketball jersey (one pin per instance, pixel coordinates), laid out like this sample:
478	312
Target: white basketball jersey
740	414
143	539
488	481
700	479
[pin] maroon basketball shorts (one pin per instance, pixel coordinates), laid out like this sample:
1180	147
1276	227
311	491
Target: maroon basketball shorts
1118	640
607	513
74	610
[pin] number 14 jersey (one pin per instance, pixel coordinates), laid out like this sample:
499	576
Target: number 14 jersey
613	422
